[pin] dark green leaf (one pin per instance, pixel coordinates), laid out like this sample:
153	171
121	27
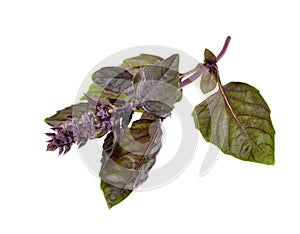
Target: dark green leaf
238	122
157	86
209	57
208	82
140	61
125	165
64	115
113	79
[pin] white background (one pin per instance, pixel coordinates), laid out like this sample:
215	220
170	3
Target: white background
48	47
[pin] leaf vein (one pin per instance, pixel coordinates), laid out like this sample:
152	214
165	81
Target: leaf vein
250	103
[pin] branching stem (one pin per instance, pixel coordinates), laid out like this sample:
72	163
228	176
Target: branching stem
196	72
193	77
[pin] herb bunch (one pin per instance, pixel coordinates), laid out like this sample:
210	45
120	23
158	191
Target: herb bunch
235	118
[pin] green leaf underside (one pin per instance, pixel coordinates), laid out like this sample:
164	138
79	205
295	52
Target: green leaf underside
113	79
63	115
208	82
157	86
246	132
100	93
125	165
140	61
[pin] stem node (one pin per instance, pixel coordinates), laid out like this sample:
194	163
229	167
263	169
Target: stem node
196	72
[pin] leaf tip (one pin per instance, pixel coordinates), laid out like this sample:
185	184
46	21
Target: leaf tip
171	62
174	56
83	98
209	57
46	120
109	206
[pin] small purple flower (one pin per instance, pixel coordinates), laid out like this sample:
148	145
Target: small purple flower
63	140
79	130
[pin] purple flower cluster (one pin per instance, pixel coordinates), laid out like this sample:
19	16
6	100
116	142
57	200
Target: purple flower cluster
62	139
80	129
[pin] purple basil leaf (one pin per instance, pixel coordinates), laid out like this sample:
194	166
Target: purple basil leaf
157	86
237	120
113	79
126	162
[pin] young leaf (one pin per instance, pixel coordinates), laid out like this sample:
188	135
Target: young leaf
209	57
157	86
237	120
113	79
140	61
208	82
126	163
64	115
